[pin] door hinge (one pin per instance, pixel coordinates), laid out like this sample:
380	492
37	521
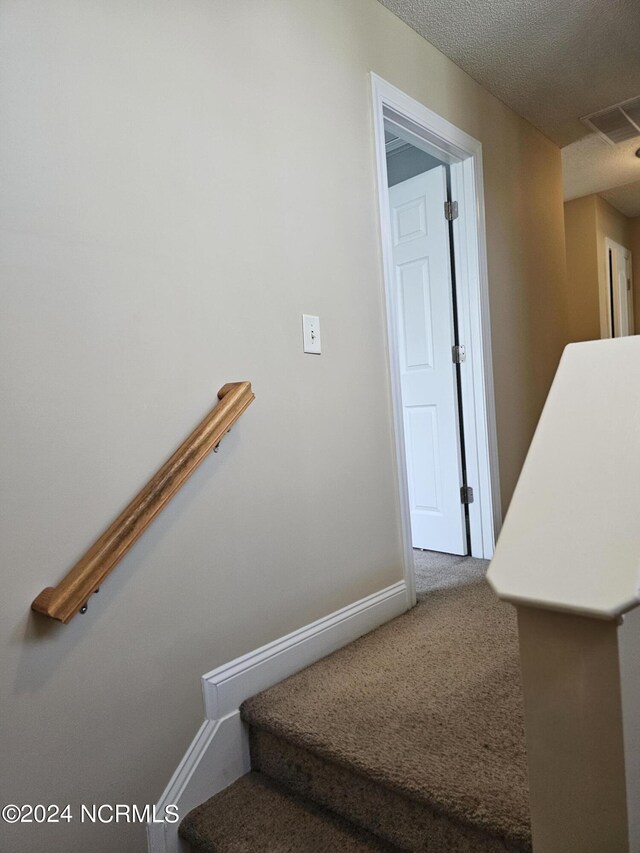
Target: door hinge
458	354
450	210
466	494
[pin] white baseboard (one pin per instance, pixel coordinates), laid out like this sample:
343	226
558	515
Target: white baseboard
225	688
217	756
219	753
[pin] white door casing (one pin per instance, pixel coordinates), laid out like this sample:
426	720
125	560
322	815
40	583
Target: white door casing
424	312
619	279
426	129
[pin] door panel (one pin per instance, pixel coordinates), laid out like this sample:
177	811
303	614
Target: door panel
416	330
424	311
422	456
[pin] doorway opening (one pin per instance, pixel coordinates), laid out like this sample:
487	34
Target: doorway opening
619	289
429	358
433	245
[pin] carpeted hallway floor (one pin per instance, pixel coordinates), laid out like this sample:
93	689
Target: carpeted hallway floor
442	571
412	736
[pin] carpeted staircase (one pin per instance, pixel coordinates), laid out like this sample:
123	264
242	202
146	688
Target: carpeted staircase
411	738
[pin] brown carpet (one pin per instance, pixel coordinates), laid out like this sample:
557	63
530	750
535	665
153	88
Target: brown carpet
426	709
434	570
255	815
414	733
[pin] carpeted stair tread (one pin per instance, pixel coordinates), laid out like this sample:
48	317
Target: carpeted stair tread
429	707
407	823
254	815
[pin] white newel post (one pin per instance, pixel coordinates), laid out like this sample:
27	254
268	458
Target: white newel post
568	557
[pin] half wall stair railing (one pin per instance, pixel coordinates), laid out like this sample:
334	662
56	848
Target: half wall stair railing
568	558
72	593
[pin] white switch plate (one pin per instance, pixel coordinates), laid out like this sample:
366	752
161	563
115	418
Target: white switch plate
311	334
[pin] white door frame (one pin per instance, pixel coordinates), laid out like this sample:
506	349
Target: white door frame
464	153
605	296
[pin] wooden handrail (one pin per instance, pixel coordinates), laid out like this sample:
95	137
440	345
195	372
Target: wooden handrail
65	600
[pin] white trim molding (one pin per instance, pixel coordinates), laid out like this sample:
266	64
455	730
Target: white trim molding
217	756
219	753
463	153
225	688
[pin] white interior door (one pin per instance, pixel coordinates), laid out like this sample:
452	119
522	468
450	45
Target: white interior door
619	260
424	311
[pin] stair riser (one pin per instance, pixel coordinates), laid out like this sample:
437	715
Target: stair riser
401	821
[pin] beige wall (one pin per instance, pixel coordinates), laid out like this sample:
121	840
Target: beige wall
180	182
612	223
580	223
588	222
634	245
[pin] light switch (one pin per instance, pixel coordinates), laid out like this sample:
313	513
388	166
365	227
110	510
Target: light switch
311	334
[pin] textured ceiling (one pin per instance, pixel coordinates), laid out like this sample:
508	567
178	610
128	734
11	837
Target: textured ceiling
550	61
593	166
625	199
